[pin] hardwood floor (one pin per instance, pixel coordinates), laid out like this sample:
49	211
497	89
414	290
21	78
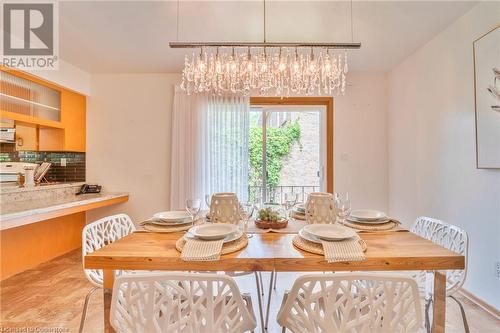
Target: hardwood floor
50	298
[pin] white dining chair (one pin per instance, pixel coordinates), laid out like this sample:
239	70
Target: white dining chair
319	209
351	302
455	239
180	302
223	208
95	235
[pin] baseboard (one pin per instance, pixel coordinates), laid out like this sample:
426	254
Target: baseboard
485	306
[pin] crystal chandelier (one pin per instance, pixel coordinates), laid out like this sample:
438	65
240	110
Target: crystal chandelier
278	69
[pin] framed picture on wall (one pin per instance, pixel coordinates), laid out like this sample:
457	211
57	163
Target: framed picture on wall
487	98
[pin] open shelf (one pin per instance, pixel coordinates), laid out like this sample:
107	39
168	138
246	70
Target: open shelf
26	101
31	120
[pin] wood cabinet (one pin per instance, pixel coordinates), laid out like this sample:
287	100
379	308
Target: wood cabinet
73	117
67	133
26	137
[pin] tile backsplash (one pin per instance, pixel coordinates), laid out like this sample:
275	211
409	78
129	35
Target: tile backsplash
74	171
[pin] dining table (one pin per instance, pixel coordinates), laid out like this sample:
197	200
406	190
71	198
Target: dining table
399	250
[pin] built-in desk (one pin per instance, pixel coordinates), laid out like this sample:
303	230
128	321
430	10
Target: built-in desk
36	230
21	213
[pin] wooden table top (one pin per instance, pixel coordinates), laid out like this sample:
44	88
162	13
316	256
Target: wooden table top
386	251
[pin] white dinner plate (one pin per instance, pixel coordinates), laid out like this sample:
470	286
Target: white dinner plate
213	231
307	236
229	238
368	215
172	216
355	220
331	232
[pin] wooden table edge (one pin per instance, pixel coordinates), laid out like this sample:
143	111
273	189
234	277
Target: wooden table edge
309	264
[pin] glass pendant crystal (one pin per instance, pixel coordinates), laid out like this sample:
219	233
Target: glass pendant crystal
279	72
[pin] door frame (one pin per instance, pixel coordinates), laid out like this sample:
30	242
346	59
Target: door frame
321	101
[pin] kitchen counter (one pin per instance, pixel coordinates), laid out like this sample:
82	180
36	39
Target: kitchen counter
43	222
18	213
14	188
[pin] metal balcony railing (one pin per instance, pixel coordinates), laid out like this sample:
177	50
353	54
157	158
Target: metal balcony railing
277	193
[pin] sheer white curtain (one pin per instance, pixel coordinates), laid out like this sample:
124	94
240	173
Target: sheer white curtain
209	146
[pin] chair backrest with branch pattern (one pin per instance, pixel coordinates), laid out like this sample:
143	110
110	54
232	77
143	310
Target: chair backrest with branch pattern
179	302
100	233
352	303
449	236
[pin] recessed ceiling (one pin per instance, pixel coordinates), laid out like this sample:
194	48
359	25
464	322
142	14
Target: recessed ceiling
132	37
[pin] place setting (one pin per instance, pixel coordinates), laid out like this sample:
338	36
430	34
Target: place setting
370	220
337	243
175	221
299	212
208	242
323	236
362	220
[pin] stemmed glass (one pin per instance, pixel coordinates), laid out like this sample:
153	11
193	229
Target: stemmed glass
193	208
290	201
247	210
342	206
208	200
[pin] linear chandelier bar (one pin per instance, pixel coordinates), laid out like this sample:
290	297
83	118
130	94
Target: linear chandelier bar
192	45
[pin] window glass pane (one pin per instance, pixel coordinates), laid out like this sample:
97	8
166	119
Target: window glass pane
293	152
255	155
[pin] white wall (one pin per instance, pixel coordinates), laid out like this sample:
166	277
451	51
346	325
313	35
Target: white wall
360	140
128	140
432	166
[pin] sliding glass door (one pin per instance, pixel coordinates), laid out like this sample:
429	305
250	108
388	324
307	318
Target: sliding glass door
287	152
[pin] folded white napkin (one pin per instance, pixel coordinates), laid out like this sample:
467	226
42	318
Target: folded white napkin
200	250
346	250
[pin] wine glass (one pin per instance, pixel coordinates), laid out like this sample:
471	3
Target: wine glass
335	197
342	207
247	210
193	208
208	200
290	201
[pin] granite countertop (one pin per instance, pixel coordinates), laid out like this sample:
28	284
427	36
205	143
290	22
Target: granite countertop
25	208
14	188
